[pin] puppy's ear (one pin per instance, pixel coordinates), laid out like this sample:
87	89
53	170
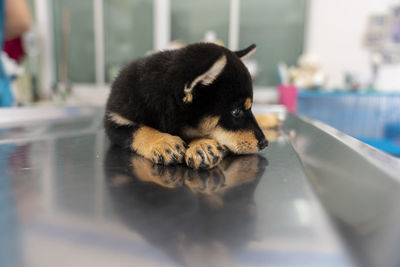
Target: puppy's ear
246	53
206	78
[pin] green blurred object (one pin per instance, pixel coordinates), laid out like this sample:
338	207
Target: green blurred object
191	19
81	54
277	27
128	32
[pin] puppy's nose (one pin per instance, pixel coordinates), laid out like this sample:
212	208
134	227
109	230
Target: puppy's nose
262	144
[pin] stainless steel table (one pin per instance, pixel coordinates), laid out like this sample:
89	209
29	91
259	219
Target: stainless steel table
314	197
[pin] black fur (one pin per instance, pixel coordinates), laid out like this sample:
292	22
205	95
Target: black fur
149	91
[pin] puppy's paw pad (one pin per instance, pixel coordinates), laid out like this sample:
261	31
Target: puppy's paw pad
203	153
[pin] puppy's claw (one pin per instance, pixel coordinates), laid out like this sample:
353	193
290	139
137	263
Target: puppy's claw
173	157
190	163
160	159
203	165
215	159
200	153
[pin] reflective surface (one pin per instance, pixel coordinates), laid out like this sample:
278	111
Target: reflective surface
69	199
193	217
358	186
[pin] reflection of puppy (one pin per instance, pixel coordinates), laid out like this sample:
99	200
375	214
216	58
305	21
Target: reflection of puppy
201	94
196	217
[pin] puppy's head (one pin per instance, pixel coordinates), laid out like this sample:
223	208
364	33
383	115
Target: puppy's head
218	95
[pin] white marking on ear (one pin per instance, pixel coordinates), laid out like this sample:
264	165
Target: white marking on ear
206	78
118	119
212	73
248	55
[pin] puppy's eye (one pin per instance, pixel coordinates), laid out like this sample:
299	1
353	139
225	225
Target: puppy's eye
237	112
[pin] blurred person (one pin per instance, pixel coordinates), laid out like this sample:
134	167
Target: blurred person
14	21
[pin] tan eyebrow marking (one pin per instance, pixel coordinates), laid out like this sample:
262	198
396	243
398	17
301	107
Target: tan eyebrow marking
247	103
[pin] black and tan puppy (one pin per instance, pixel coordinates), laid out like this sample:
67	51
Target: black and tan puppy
185	105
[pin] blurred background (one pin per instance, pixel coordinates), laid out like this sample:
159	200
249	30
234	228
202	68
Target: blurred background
318	198
334	61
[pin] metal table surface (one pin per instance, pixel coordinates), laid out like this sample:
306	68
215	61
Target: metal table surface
314	197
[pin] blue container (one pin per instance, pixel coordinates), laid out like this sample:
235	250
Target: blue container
369	116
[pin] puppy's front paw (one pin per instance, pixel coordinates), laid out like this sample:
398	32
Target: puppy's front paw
161	148
168	150
204	153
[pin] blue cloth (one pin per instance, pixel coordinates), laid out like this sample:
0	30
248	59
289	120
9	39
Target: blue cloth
10	242
386	145
6	97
